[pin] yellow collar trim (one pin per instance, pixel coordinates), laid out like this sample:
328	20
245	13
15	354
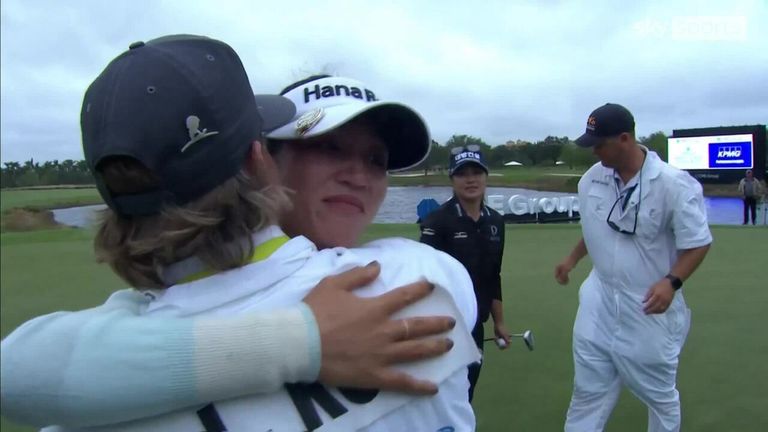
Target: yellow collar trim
260	253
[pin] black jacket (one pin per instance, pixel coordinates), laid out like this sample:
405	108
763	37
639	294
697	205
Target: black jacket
478	245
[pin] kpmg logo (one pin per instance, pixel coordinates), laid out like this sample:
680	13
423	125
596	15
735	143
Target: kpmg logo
736	155
729	152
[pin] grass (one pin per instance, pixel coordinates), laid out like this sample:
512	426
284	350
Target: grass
47	198
722	376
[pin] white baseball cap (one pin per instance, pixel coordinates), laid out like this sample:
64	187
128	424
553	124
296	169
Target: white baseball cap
326	103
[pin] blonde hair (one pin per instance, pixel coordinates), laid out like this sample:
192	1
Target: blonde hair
210	228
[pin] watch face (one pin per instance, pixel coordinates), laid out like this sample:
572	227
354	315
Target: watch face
676	282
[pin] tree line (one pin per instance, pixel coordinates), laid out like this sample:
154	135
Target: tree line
550	151
33	173
546	152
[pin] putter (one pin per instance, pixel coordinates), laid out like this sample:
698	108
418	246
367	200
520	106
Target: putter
526	335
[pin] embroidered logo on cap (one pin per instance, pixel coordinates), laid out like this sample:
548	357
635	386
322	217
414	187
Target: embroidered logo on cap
338	90
309	120
467	155
195	134
591	123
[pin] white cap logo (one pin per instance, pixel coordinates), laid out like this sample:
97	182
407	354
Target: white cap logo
195	134
308	120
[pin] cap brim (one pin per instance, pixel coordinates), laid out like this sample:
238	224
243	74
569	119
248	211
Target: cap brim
464	162
403	130
275	111
588	140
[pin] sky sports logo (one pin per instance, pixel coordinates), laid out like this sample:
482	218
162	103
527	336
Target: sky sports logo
693	28
730	155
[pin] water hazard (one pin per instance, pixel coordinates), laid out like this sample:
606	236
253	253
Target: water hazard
400	206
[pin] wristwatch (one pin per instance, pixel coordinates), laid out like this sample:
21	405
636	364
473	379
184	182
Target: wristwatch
676	282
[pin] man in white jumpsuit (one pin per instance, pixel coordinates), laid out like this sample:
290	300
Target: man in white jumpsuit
644	226
203	78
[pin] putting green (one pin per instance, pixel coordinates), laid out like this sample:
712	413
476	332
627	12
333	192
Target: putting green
722	376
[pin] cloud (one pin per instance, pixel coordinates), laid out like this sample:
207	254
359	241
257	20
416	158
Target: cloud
497	70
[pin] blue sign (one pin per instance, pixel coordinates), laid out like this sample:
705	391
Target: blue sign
730	155
425	207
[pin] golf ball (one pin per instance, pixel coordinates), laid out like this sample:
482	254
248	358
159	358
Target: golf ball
501	342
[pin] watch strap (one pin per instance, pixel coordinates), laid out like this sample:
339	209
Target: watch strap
677	283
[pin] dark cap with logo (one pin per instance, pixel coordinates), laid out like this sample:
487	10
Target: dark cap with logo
604	122
462	156
183	107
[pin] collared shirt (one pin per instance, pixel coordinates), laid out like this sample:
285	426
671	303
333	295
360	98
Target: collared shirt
751	188
671	216
479	245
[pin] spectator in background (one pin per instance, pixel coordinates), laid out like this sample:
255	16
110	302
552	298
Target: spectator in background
750	189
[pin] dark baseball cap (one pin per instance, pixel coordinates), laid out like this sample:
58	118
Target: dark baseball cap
461	156
182	106
604	122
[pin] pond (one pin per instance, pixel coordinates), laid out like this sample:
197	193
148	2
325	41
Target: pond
400	206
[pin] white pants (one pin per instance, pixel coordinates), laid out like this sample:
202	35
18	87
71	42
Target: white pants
597	384
607	355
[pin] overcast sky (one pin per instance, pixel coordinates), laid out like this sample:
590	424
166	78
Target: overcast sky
498	70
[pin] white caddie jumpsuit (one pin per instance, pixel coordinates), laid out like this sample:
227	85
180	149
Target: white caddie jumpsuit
614	341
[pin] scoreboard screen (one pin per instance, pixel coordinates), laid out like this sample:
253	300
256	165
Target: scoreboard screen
713	152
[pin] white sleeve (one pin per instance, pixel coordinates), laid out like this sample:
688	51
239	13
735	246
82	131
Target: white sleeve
582	190
450	274
399	256
110	364
689	214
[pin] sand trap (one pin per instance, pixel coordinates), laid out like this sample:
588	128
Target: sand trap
20	219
